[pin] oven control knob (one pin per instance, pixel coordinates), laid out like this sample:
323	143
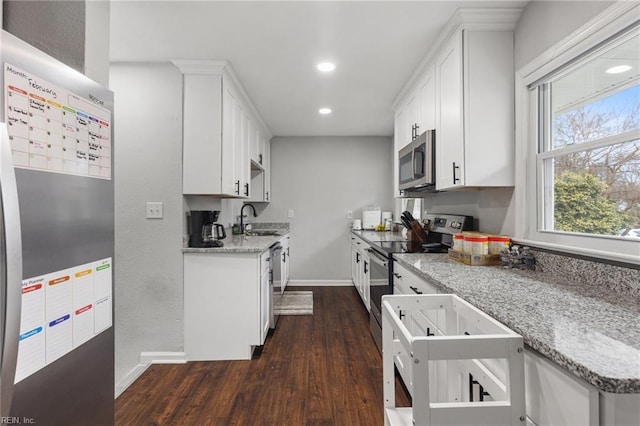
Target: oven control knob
455	225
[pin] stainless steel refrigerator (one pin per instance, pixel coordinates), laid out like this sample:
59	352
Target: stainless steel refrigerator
57	247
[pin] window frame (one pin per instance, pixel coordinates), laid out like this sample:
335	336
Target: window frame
611	24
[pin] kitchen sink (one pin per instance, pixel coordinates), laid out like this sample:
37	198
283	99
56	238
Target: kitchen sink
261	233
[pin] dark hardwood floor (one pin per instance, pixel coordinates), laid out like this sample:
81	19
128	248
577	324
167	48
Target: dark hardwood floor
313	370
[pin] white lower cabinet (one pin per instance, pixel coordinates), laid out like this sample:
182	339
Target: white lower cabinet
354	261
225	305
360	267
286	262
553	397
266	295
619	409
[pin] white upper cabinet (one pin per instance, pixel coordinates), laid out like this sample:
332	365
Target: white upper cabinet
257	143
412	111
475	110
241	154
220	127
449	104
427	97
465	92
400	139
266	160
261	172
230	168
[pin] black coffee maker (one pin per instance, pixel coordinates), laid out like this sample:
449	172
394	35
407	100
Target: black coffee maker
203	230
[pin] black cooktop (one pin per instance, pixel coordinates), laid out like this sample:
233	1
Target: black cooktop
391	247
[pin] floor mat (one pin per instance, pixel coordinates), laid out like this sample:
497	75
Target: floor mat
295	303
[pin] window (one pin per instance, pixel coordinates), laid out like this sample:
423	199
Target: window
582	149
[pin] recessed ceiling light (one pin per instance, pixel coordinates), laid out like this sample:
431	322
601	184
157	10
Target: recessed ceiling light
618	69
326	66
324	111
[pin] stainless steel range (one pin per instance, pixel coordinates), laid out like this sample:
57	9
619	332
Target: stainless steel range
441	229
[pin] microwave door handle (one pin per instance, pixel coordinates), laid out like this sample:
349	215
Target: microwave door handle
417	173
413	163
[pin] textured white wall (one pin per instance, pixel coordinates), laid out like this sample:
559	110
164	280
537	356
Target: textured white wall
148	167
96	43
55	27
544	23
320	179
492	207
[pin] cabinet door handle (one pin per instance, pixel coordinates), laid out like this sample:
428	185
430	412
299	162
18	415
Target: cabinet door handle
238	187
401	315
365	267
417	131
357	257
455	179
415	290
260	159
398	276
246	189
267	196
284	257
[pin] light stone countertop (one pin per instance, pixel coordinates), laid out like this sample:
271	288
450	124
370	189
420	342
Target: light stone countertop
585	328
240	244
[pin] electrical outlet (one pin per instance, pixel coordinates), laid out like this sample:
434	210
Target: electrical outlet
290	214
154	210
349	214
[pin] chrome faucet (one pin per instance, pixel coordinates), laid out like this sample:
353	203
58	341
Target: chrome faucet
242	216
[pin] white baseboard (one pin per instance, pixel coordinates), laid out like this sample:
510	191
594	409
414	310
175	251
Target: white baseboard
319	283
128	380
146	359
163	358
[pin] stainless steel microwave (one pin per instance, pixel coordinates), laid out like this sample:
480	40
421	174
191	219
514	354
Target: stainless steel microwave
417	161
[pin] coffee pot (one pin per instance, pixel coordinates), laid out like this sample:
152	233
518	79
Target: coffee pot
212	233
203	230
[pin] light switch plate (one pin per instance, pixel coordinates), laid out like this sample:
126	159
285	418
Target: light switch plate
290	213
154	210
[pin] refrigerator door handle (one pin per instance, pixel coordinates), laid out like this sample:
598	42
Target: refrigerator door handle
10	273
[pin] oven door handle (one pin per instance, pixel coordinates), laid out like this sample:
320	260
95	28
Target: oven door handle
377	256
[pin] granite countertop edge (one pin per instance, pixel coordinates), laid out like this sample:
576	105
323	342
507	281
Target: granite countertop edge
629	385
240	244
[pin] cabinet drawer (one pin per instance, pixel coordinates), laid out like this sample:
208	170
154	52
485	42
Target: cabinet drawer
409	282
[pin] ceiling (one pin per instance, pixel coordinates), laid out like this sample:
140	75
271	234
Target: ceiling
274	48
